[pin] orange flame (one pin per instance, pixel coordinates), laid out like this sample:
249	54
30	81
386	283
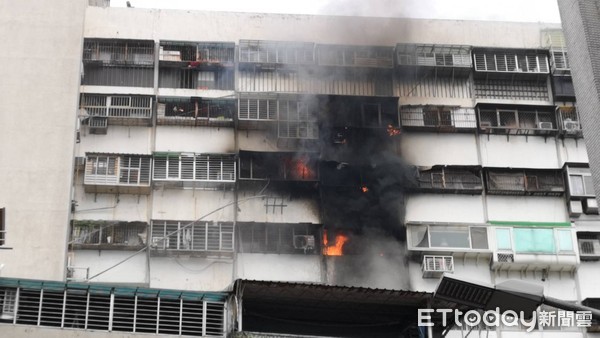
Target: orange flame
335	249
300	168
364	189
392	131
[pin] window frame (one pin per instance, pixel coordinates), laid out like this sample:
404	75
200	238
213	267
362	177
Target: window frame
438	228
557	249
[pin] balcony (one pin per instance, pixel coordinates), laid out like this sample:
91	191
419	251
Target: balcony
117	173
108	235
570	122
524	182
510	64
534	248
443	59
210	238
104	110
276	238
187	170
438	118
271	55
296	167
517	121
202	55
457	180
369	57
195	112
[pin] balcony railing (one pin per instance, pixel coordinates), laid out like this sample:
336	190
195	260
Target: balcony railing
114	52
438	118
355	56
120	109
196	112
268	54
196	54
108	235
192	236
434	55
515	121
525	182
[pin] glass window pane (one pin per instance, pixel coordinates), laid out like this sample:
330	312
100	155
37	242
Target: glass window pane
534	240
503	241
418	236
576	185
445	237
479	238
565	242
589	185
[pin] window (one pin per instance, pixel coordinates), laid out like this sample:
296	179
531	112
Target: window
194	167
117	170
448	237
192	236
2	226
524	182
93	234
7	300
580	182
535	240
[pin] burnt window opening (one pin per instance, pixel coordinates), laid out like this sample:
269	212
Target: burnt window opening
108	235
450	179
278	166
433	55
278	238
263	52
359	112
524	182
355	56
194	78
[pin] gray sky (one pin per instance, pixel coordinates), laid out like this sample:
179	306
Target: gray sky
499	10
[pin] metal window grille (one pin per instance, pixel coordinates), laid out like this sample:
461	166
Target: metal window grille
195	167
513	62
95	233
436	117
117	170
277	52
525	182
117	106
193	236
114	309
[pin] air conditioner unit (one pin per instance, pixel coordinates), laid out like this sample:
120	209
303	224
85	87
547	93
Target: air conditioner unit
304	242
571	126
590	206
485	125
545	125
435	266
589	248
504	257
575	208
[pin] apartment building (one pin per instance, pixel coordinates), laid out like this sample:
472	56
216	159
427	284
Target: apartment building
255	175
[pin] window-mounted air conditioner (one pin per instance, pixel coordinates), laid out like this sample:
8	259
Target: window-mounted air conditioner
485	125
304	242
545	125
571	126
435	266
589	248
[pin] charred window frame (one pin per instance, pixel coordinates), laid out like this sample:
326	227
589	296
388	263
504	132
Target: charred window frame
278	166
275	238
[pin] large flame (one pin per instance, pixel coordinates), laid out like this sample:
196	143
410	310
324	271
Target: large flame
392	131
300	168
336	248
